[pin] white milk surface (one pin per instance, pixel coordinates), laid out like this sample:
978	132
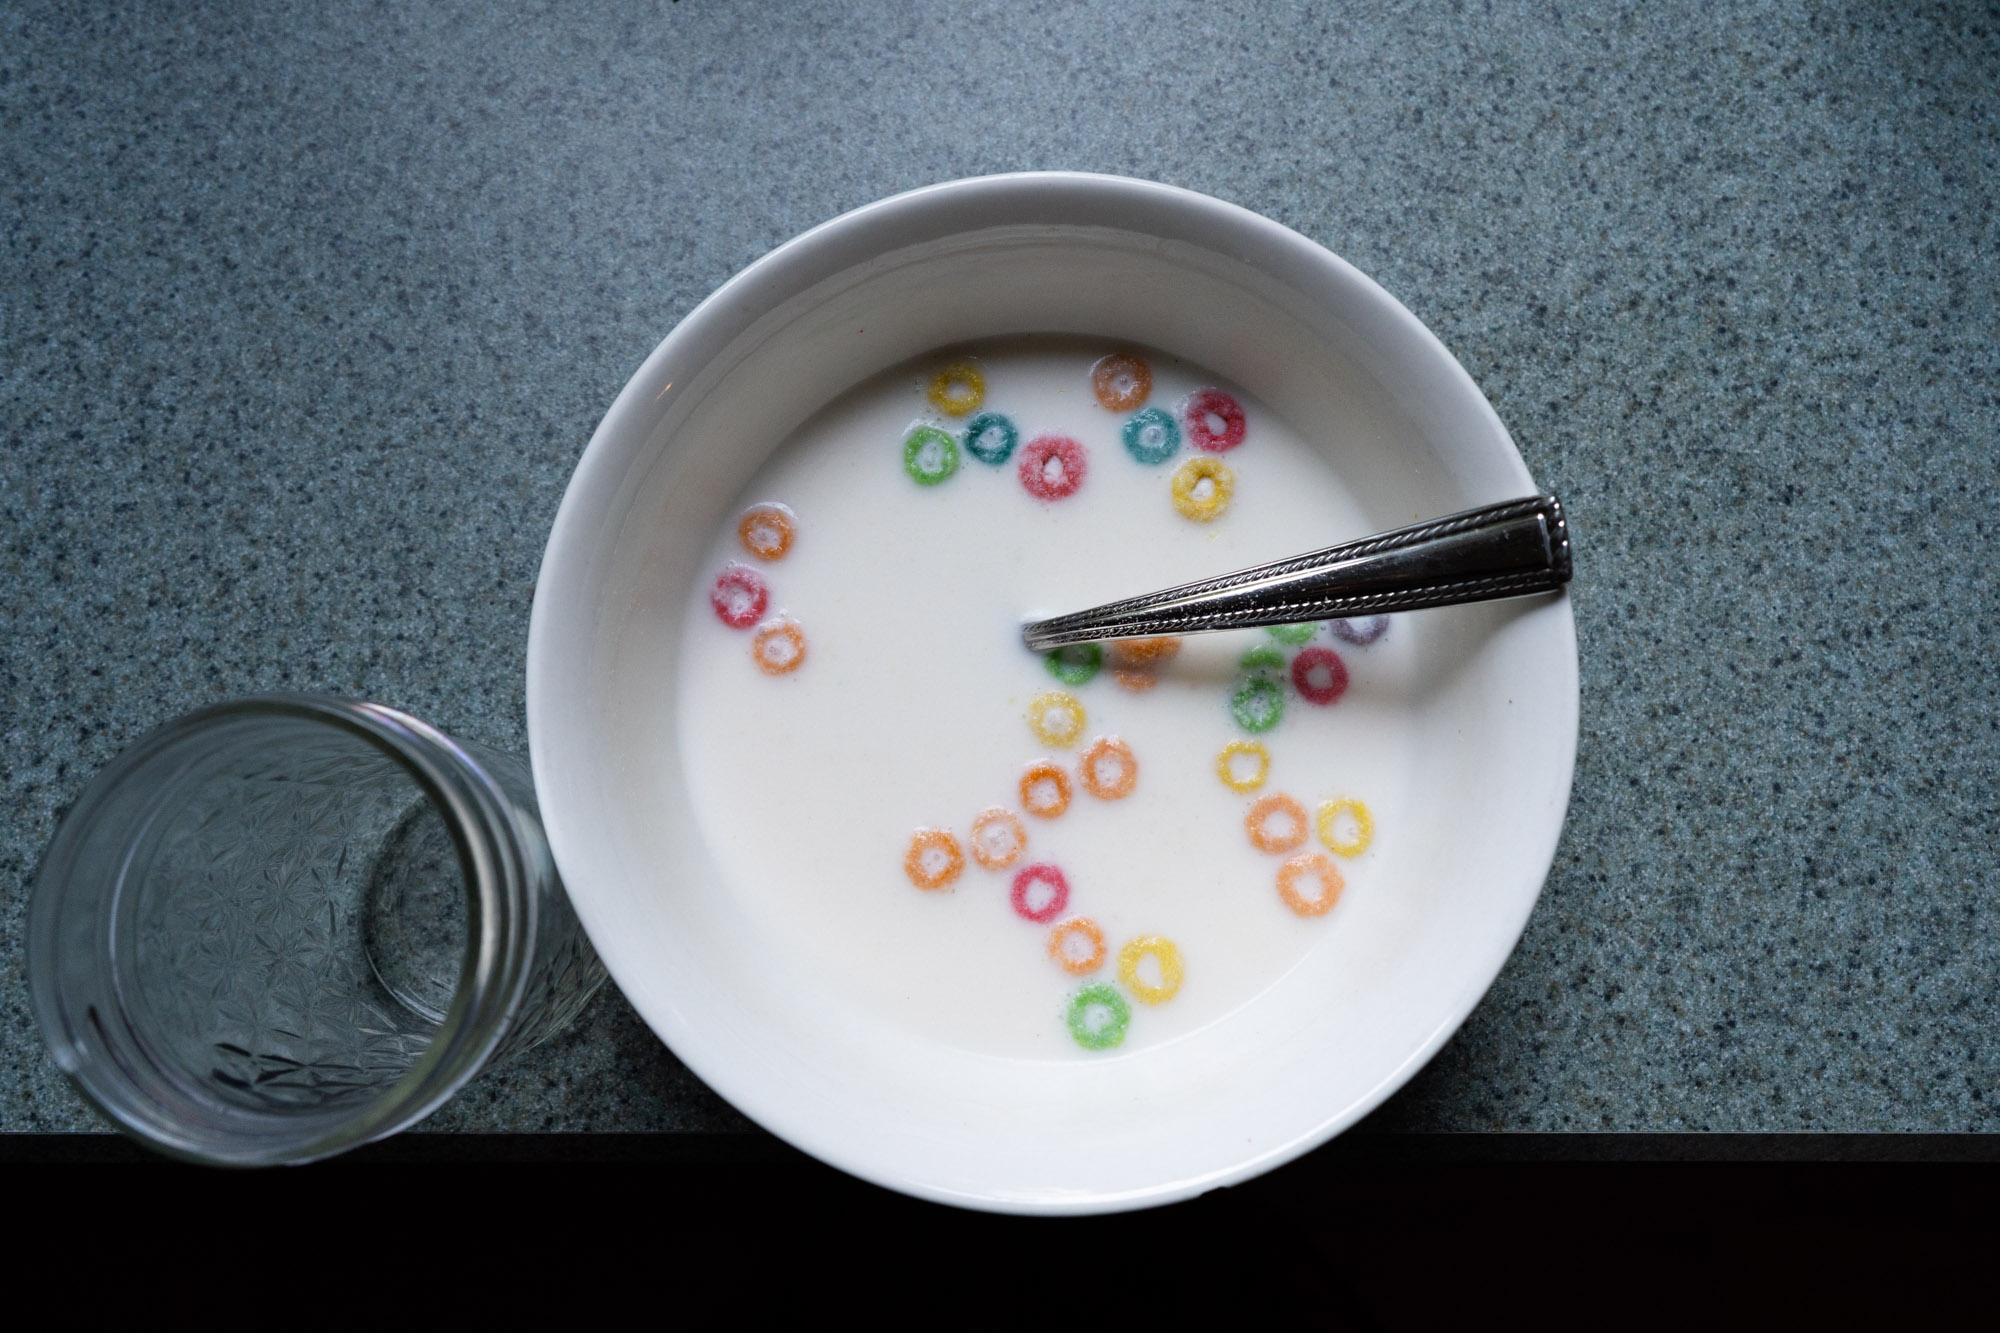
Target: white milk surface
909	711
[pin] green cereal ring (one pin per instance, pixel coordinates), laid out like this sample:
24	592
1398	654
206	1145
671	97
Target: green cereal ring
1108	1031
1263	658
990	438
1152	436
1257	703
1076	663
929	455
1292	634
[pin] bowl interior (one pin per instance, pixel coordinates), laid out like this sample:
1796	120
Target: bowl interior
1124	261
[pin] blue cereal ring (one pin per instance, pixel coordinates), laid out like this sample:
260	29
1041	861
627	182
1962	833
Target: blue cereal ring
990	438
1152	436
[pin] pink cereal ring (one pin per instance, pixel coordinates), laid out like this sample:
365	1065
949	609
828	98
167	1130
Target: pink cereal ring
739	596
1053	900
1206	403
1053	466
1319	675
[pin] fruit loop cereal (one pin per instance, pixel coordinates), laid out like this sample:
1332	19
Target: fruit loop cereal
1097	1017
1040	892
1262	658
990	438
1057	718
957	389
779	648
1165	954
1214	421
766	531
1045	789
1140	652
1108	752
1121	382
934	859
1329	827
1202	487
1152	436
1293	635
1053	466
1135	679
1076	663
1285	837
1225	765
1319	675
1318	867
1257	703
998	838
1077	945
1362	632
929	455
739	596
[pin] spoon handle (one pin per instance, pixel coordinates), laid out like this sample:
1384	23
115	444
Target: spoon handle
1503	550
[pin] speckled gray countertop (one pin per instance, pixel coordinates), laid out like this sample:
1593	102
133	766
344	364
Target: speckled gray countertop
307	316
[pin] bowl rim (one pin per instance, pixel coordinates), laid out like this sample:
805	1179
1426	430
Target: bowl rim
932	213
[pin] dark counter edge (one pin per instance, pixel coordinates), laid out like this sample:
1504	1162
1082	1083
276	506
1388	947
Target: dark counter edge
1372	1149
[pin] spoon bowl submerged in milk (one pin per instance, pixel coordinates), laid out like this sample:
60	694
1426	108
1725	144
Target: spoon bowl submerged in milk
933	508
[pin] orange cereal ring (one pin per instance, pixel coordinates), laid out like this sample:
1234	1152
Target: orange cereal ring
1136	680
1045	789
1057	718
998	838
1225	765
1121	382
1063	945
1125	769
766	531
779	647
1140	652
958	389
934	859
1257	823
1321	867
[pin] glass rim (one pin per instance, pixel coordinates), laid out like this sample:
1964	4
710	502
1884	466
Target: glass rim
493	976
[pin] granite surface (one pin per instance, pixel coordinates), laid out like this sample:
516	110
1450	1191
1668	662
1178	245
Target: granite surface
307	313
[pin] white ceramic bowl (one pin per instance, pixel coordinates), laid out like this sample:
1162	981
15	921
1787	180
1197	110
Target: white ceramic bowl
1127	261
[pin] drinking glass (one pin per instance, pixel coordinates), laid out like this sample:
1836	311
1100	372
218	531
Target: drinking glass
281	927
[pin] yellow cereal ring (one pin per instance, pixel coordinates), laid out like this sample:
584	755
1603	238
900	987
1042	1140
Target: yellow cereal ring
1226	770
1057	718
1170	968
958	389
1319	867
1192	499
1364	827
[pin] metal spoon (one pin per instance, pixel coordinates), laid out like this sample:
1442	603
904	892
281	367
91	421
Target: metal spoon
1503	550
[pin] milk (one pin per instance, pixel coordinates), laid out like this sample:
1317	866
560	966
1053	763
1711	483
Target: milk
908	711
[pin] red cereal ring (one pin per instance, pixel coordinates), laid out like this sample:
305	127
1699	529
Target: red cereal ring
1077	928
1206	403
1108	749
1257	823
1053	466
998	838
739	596
933	859
1053	900
1045	789
1320	867
1121	382
1319	675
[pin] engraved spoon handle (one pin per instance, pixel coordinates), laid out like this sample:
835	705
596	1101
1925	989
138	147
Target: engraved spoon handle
1503	550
